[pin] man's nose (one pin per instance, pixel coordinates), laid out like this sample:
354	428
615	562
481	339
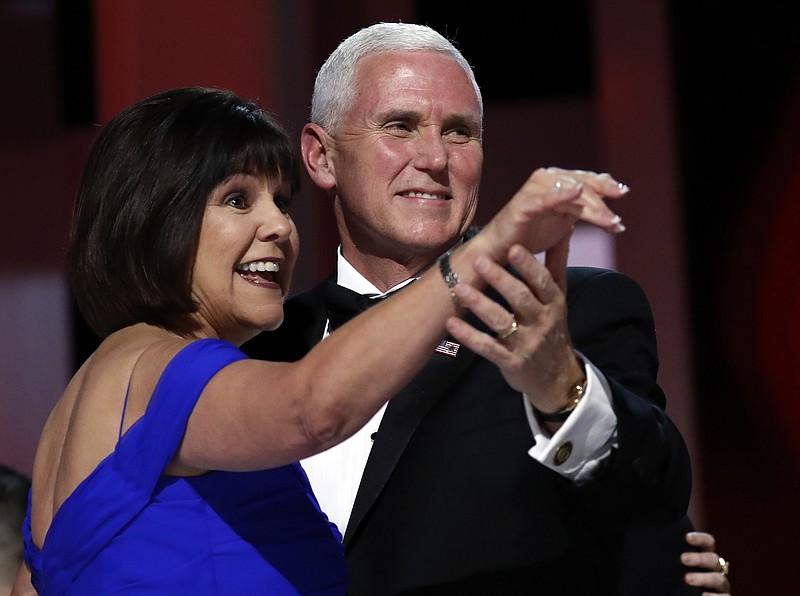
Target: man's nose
431	152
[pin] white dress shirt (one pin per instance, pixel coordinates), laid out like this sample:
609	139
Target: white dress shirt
591	428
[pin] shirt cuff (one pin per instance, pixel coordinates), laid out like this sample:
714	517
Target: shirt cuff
585	439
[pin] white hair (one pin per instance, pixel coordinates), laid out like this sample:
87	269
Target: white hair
335	89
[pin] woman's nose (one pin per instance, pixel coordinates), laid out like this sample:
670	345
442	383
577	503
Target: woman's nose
275	225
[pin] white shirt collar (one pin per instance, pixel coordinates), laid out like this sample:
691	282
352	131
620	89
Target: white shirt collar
348	277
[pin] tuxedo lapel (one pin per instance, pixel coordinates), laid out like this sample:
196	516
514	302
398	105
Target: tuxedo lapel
403	415
309	313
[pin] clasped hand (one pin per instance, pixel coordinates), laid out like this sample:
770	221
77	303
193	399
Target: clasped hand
537	359
549	203
531	343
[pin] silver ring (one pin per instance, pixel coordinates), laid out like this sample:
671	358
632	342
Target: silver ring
512	329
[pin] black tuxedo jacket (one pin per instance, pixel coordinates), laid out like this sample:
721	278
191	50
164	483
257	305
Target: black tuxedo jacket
451	502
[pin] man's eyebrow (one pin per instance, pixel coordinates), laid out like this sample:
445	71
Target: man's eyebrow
467	120
399	114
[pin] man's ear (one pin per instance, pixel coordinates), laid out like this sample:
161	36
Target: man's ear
315	146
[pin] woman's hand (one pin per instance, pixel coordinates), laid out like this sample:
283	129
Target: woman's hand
714	574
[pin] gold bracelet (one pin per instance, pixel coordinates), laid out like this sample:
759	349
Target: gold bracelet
575	395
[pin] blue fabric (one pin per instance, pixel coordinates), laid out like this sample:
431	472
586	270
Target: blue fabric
129	529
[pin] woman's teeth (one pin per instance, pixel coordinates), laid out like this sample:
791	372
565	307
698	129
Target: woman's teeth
259	266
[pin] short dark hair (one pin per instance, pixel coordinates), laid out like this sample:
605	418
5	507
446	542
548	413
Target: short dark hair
142	196
14	488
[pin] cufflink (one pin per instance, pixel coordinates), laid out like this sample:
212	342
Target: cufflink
562	453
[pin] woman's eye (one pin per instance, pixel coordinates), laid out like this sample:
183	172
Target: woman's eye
237	200
283	203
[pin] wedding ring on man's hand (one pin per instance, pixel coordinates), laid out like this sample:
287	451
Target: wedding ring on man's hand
725	566
512	329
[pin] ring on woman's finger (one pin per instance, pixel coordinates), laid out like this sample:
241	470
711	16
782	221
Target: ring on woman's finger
724	566
512	328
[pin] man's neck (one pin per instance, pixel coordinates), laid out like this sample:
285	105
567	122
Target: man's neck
385	273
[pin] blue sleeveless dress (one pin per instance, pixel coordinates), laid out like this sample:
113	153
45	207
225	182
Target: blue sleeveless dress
129	529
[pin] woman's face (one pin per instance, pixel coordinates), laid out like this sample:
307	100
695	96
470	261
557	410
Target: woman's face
245	256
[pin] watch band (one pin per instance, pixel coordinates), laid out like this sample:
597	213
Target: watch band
576	393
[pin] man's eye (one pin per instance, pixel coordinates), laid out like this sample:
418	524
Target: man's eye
459	135
398	127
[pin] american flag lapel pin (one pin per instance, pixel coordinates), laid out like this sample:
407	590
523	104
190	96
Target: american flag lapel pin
448	348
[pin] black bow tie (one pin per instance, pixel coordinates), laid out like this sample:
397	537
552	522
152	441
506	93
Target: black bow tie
343	304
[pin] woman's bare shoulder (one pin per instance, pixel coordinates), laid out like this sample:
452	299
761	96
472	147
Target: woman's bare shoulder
104	397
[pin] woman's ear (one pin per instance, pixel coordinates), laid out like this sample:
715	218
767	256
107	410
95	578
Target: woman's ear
315	147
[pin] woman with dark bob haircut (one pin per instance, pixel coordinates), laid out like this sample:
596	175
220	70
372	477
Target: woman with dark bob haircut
136	224
170	463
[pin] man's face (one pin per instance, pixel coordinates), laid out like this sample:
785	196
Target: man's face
408	158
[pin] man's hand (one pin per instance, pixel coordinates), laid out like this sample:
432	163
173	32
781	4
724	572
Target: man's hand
531	344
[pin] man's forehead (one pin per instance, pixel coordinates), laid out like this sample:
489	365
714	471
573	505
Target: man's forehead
409	64
413	80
